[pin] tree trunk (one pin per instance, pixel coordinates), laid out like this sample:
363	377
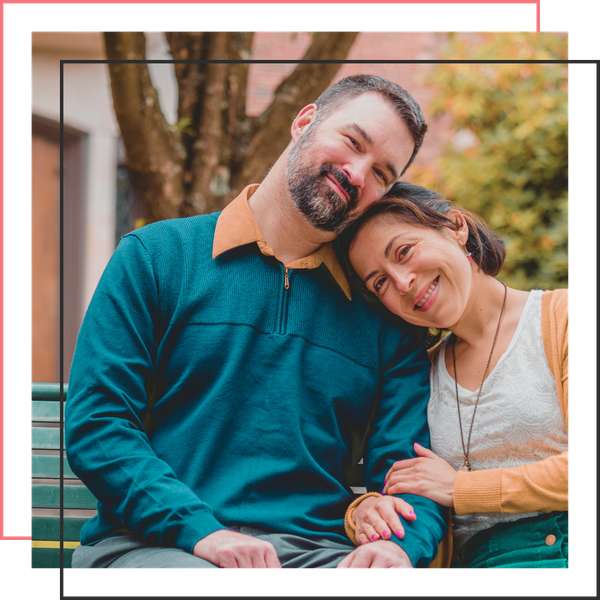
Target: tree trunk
155	156
200	163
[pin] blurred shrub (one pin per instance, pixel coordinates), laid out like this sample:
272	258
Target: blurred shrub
508	157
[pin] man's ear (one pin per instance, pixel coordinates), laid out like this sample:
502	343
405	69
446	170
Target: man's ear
303	119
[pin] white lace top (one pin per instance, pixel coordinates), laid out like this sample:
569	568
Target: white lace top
518	417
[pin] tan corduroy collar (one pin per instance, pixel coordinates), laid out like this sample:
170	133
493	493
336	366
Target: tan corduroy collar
237	226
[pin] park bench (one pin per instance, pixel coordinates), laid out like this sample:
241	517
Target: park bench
78	502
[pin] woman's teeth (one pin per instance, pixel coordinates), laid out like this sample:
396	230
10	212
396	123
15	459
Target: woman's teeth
429	292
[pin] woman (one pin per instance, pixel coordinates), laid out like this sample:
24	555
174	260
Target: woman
499	385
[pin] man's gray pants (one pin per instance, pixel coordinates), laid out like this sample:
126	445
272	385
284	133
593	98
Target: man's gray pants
131	551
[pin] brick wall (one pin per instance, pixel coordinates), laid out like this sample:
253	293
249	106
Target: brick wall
368	46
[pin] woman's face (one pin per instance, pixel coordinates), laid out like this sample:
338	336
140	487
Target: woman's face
420	274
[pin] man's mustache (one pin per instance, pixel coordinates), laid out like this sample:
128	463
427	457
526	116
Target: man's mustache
341	178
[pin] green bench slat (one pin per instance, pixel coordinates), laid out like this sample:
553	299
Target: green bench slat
48	391
49	558
48	467
48	528
45	438
46	495
45	411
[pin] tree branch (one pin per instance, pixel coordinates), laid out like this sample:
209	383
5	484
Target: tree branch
300	88
187	46
135	100
211	111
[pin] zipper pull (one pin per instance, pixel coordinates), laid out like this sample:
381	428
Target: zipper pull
286	280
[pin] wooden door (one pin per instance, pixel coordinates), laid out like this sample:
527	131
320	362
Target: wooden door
45	259
46	246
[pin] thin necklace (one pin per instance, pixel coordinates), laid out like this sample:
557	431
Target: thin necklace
466	466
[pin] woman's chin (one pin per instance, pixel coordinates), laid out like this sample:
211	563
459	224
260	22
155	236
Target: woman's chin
425	320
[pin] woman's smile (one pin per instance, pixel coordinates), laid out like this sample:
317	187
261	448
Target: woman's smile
426	300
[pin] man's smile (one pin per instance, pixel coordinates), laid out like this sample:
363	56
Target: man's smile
341	192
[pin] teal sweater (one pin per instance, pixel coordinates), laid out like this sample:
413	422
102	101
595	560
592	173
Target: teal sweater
204	394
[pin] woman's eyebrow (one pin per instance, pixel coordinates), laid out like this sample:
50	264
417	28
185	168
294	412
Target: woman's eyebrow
369	276
387	253
390	243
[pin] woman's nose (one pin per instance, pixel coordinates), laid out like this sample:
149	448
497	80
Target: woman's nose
403	280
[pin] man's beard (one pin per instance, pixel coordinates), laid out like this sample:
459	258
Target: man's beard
313	196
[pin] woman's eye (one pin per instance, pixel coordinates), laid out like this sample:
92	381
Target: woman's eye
403	251
378	284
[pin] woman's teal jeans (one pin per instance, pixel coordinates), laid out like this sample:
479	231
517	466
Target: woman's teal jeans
540	542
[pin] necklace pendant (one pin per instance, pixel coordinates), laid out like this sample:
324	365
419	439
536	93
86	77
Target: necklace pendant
466	466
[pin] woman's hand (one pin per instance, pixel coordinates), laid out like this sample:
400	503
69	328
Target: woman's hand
428	475
376	518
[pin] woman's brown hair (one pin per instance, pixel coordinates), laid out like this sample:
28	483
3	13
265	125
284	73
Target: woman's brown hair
417	205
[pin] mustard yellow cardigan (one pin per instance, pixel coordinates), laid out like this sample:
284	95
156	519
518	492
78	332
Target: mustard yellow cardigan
539	486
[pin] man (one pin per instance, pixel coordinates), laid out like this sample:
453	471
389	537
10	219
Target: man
224	376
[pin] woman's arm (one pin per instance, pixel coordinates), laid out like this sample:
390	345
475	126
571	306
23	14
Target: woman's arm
377	517
428	475
543	485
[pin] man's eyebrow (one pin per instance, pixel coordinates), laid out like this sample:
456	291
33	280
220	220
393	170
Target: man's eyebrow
362	133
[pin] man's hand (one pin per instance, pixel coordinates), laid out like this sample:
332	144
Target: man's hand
232	550
377	555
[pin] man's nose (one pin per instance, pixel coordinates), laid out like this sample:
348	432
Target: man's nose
356	172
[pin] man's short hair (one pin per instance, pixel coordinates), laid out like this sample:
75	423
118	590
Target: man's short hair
334	97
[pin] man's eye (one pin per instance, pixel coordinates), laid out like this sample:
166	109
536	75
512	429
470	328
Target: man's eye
381	175
354	143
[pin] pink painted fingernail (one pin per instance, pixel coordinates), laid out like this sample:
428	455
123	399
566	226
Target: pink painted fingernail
373	535
411	513
399	533
384	534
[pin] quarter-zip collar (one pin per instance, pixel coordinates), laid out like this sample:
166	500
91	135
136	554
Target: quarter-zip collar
236	226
